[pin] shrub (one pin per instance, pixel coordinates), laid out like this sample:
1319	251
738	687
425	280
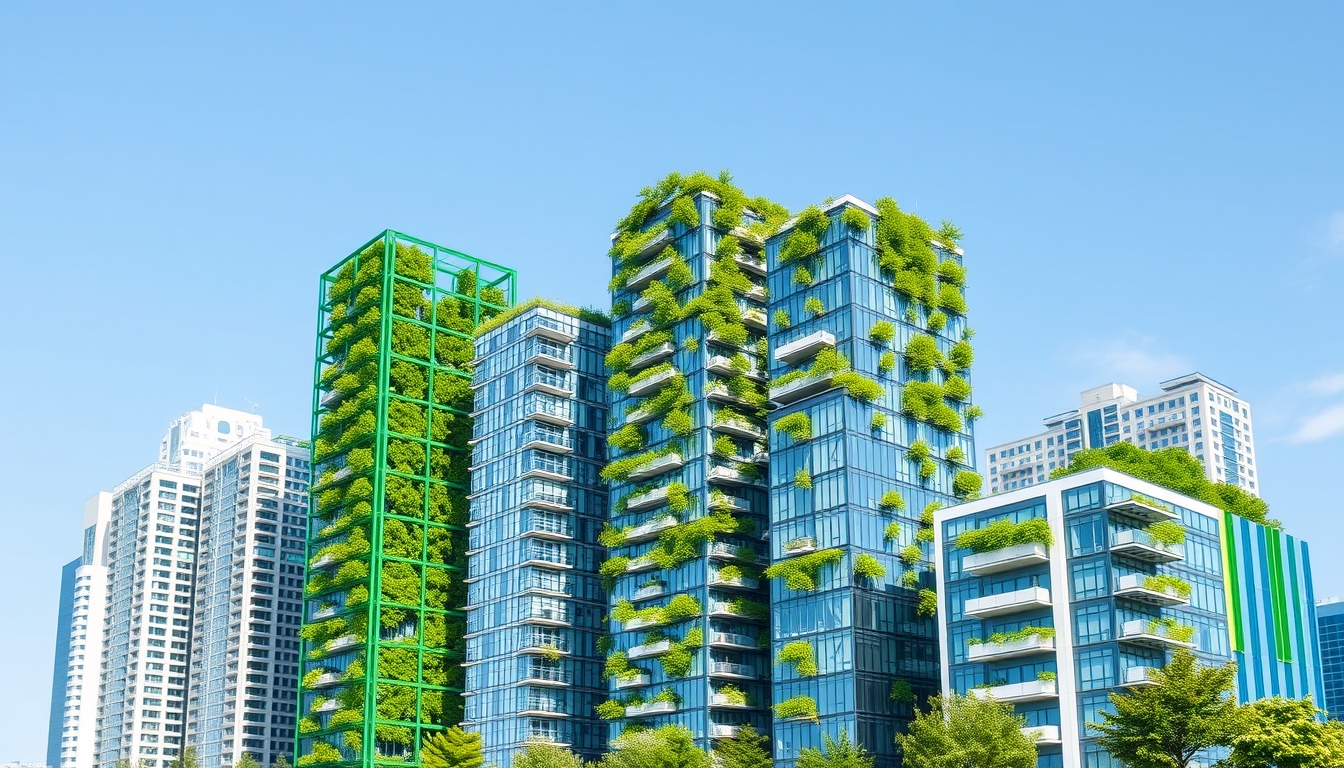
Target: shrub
799	245
801	707
879	420
961	356
1046	676
801	572
610	710
910	579
921	353
956	388
868	567
1012	637
937	321
966	484
892	500
628	438
951	300
1164	581
796	425
1167	532
802	277
814	306
1177	631
882	332
955	455
858	386
892	531
1006	533
799	653
918	451
928	603
901	692
782	319
684	213
803	479
732	693
949	234
911	555
855	219
974	412
886	362
950	271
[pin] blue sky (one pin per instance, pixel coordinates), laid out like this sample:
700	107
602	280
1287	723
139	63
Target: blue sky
1146	190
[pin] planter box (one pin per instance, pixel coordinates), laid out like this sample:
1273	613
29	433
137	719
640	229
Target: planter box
1028	599
1006	559
1027	646
1032	690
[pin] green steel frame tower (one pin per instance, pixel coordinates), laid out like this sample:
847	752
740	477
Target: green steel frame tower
383	616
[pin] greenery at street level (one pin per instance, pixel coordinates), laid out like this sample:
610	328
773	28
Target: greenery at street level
746	749
1175	469
835	753
452	748
966	732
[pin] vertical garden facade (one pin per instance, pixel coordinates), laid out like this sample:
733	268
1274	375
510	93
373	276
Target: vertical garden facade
870	432
537	506
385	590
688	456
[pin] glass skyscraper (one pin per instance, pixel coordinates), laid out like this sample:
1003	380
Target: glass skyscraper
1330	623
1055	596
535	604
383	638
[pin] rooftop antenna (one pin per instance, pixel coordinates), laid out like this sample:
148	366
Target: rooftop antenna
255	407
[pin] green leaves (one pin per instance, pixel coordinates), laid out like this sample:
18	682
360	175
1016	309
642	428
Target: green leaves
964	731
1006	533
799	653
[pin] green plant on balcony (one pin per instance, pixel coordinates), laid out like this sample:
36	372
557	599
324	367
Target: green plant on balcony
796	425
879	420
951	300
955	454
858	386
928	603
867	566
910	579
814	306
613	568
667	696
901	692
732	694
611	709
855	219
961	356
801	276
1167	532
882	332
886	362
1165	582
1170	627
782	319
974	412
749	608
1017	635
1005	533
677	661
628	438
1046	676
911	555
922	353
936	322
798	707
891	501
893	531
620	470
723	447
966	484
799	653
803	479
801	572
956	388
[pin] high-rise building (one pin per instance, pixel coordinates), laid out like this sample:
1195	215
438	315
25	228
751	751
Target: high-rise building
384	622
688	605
535	603
872	431
1055	596
1330	626
60	678
248	600
79	661
150	557
1193	412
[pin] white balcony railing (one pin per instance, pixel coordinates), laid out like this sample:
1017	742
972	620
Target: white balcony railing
1006	559
1009	602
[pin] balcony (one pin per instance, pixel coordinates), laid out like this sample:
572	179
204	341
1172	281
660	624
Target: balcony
732	475
655	497
741	582
543	644
548	440
659	466
649	650
323	613
738	428
651	709
323	562
723	365
651	383
800	546
548	559
546	467
326	680
551	530
550	355
648	274
1042	734
722	550
644	563
1027	646
1136	677
1134	586
731	670
732	640
1142	511
548	328
649	592
649	530
652	247
557	412
754	318
331	399
1151	634
640	304
553	502
807	346
635	331
330	705
725	610
1140	545
637	623
758	293
548	676
719	392
548	617
1006	559
726	502
550	383
1032	690
750	240
658	353
1029	599
799	388
720	731
341	643
637	681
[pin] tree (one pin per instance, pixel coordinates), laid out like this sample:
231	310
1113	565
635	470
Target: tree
547	756
836	753
1283	733
123	763
188	759
667	747
966	732
452	748
1190	709
247	761
744	750
280	762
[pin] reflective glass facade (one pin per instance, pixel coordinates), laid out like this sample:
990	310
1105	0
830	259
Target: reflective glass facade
535	604
1330	622
871	646
1055	628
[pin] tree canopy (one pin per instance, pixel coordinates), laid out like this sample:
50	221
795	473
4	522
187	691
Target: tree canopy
547	756
452	748
667	747
966	732
747	749
1172	468
1283	733
835	753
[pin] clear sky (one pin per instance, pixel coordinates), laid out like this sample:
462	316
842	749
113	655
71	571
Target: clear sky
1146	190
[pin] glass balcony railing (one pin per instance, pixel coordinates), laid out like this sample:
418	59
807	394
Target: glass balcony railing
550	437
555	556
551	349
548	379
546	462
538	405
547	327
549	524
561	586
548	674
550	498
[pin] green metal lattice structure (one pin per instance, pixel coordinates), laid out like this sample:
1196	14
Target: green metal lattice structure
384	619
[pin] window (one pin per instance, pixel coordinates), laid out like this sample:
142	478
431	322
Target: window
1096	669
223	428
1089	579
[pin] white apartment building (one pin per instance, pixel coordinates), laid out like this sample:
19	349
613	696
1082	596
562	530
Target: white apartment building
84	648
197	436
249	599
1193	412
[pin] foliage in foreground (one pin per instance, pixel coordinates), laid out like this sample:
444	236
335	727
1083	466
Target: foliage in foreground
962	731
835	753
